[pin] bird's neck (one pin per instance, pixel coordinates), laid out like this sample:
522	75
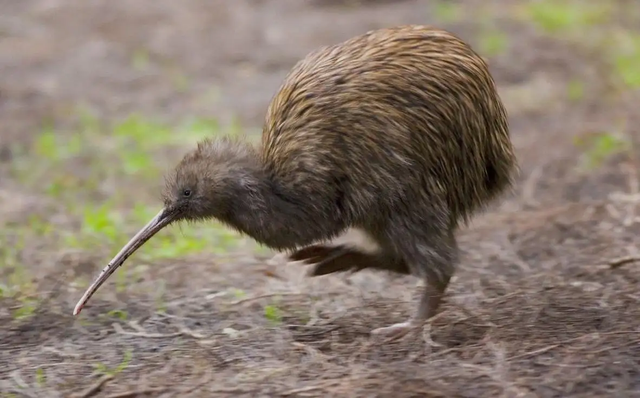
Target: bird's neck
273	215
266	213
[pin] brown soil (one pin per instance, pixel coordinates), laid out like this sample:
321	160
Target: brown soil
545	303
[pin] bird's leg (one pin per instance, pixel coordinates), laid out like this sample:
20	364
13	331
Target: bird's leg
428	247
427	308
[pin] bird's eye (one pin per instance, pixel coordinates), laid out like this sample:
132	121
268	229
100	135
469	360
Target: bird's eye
186	193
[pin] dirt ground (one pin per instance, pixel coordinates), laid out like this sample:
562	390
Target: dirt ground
546	302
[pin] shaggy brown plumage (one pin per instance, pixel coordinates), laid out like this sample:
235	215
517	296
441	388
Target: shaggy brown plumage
399	133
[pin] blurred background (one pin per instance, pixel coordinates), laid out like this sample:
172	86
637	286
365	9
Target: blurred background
99	98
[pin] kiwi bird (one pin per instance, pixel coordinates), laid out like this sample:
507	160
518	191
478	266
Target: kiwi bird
398	133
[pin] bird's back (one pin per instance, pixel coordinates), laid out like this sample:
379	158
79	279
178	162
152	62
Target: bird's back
397	109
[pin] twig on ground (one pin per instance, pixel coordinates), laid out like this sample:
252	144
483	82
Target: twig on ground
120	330
608	348
504	297
188	332
184	331
571	340
233	391
135	393
96	387
436	354
62	354
249	299
311	352
534	352
619	262
314	387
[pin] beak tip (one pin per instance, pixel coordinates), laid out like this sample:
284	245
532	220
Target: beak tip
158	222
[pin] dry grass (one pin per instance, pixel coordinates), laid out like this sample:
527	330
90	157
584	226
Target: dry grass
546	301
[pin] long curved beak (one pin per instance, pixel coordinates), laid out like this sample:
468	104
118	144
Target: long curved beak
161	220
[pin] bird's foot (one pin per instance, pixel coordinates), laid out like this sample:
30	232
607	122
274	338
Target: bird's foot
397	331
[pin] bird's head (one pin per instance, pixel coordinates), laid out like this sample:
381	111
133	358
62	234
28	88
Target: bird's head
203	185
